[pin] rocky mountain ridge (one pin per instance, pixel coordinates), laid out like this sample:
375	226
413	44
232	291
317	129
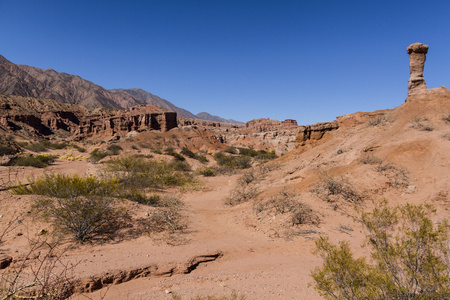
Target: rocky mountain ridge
27	81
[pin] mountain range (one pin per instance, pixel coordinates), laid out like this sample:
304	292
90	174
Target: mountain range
27	81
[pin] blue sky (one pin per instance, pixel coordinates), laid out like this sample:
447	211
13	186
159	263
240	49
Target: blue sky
309	60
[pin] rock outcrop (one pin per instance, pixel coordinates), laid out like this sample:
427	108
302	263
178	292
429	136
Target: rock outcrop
314	132
44	117
267	125
417	56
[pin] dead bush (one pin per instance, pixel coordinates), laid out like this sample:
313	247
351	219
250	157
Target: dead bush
331	190
39	274
398	177
371	160
421	124
380	120
167	215
242	193
284	203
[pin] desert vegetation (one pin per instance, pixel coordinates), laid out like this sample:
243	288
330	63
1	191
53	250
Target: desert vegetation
410	257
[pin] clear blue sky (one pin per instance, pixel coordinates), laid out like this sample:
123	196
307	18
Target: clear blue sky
309	60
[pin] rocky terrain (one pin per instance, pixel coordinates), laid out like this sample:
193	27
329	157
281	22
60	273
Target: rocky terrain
251	231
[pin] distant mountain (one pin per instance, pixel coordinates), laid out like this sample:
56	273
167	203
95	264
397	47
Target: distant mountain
29	81
209	117
149	98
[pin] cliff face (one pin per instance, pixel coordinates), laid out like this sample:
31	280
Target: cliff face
46	117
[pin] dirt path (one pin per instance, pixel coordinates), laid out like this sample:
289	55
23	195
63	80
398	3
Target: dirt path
252	264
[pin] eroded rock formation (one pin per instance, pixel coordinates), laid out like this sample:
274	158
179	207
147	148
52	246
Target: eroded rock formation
417	56
46	117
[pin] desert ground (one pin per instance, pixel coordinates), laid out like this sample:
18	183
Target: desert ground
250	246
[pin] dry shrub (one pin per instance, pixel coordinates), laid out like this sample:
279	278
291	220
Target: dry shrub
371	160
167	217
398	177
331	190
39	274
242	193
380	120
421	124
284	203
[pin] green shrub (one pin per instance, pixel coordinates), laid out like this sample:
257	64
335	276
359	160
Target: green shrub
201	158
114	149
39	146
236	162
207	172
248	152
231	150
137	172
411	258
6	150
82	206
97	154
181	166
66	186
78	148
264	156
186	152
37	161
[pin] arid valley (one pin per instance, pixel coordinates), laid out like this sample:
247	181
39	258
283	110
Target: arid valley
196	205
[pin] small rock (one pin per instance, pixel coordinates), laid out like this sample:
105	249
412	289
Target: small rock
168	291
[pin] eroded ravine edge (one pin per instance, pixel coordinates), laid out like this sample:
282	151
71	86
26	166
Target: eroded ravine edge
96	282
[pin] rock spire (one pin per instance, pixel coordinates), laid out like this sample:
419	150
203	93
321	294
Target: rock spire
417	56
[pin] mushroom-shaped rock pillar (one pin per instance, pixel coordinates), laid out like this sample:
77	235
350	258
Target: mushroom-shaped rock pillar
417	56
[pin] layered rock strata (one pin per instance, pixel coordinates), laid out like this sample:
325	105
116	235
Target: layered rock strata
46	117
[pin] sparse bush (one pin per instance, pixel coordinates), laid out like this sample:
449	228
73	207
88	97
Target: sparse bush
411	258
186	152
134	147
264	156
181	166
137	173
421	124
114	149
248	152
236	162
231	150
371	160
97	154
168	216
242	194
201	158
6	149
139	197
37	161
78	148
398	177
156	151
285	203
207	172
82	206
39	146
380	120
331	190
446	119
